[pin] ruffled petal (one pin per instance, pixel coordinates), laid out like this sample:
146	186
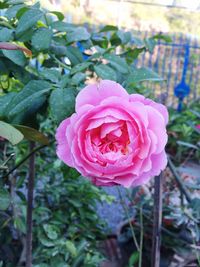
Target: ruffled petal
93	94
63	148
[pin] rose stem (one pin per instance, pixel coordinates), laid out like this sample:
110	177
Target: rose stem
157	221
129	218
29	223
141	236
181	185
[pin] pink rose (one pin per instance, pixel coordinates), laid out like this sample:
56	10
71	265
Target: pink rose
198	126
114	138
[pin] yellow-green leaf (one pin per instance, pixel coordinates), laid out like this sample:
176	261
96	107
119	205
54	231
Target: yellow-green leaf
10	133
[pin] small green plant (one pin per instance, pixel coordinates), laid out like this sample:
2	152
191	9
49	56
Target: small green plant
44	63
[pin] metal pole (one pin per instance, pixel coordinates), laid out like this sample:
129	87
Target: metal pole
157	221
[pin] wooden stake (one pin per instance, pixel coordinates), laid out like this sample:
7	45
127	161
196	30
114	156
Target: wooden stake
157	221
29	223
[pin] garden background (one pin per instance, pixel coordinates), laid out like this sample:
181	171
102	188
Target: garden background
54	56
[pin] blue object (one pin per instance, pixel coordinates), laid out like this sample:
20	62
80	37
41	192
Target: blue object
82	49
182	89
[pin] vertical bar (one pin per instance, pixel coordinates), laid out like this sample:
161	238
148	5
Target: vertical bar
195	84
29	222
157	221
178	63
170	66
144	54
197	81
191	68
157	58
150	56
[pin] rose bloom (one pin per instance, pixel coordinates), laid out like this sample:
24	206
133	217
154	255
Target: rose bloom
114	138
198	126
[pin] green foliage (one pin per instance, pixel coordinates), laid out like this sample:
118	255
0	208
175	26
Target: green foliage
10	133
62	103
44	63
183	131
4	199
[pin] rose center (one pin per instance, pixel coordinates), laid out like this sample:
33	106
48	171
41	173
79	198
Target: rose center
112	138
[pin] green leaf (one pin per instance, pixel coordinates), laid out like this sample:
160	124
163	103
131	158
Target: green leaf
108	28
11	12
74	55
189	145
137	41
10	133
4	199
150	44
125	37
15	2
3	5
78	78
26	36
6	34
71	248
58	14
80	67
105	72
195	113
195	205
62	26
117	63
51	231
45	241
28	20
191	124
4	102
62	102
21	12
20	224
41	265
32	134
163	37
15	56
78	34
100	41
132	54
28	96
133	259
143	74
41	39
51	75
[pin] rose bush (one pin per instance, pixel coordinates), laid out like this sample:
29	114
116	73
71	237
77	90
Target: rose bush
114	138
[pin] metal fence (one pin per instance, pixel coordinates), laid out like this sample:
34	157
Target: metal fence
178	63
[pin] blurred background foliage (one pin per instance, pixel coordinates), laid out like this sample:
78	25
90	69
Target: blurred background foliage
38	92
135	15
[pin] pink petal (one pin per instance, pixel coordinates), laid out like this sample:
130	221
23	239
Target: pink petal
157	126
159	107
63	148
95	93
159	163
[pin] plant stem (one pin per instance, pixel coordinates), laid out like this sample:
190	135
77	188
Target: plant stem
29	223
129	219
182	187
24	159
156	238
141	236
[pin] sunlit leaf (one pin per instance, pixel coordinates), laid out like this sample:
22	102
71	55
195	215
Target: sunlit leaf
10	133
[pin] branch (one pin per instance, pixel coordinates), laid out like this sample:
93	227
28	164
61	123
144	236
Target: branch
181	185
24	159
